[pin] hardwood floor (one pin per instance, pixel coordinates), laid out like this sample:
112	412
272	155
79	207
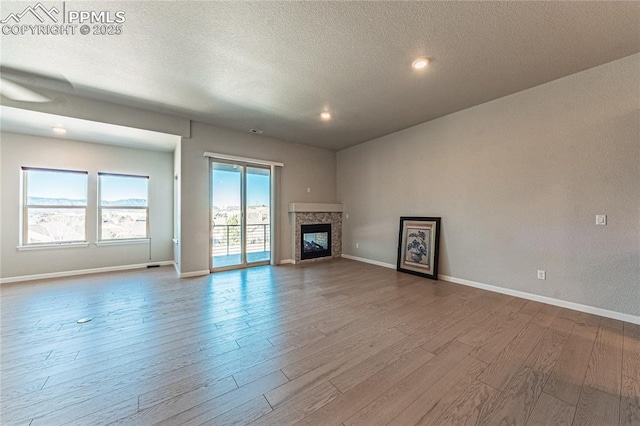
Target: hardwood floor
328	343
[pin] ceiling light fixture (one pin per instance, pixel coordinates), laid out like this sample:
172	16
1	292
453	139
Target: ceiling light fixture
420	63
325	116
59	130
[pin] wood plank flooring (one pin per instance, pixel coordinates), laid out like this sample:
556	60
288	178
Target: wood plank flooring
327	343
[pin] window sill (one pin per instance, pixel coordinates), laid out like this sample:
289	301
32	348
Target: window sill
52	246
123	242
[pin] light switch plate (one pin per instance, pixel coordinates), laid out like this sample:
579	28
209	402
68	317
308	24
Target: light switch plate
601	219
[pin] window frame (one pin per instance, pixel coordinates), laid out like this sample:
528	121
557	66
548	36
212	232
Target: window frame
100	239
26	206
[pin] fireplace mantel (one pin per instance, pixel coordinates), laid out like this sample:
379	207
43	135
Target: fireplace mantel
314	207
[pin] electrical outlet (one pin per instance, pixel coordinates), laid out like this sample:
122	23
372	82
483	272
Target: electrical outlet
601	219
357	245
347	216
542	275
308	189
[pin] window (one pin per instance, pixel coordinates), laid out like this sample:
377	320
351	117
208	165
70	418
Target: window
54	206
123	207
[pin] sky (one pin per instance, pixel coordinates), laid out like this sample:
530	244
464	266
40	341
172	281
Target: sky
114	188
226	188
57	185
46	184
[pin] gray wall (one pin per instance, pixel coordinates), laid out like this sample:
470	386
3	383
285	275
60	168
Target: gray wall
518	182
304	167
23	150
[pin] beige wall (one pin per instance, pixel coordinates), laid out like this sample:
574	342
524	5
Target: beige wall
305	167
24	150
518	182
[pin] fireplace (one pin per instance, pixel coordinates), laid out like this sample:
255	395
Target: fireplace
322	223
315	241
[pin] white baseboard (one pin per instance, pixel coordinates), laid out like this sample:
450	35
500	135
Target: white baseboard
287	262
372	262
81	272
529	296
544	299
194	273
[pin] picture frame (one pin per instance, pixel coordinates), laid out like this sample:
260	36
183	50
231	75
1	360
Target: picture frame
418	243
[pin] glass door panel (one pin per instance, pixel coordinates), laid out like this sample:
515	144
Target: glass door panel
258	202
226	215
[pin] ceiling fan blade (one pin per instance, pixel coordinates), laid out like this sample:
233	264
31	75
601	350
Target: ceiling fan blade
20	93
32	79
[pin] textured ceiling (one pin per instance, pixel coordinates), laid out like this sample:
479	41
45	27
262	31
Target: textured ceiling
275	66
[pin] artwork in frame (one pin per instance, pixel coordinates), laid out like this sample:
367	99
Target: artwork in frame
418	246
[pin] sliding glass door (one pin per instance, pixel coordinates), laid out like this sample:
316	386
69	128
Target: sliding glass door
258	215
227	215
240	215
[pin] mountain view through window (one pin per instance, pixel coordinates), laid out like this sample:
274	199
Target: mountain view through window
55	207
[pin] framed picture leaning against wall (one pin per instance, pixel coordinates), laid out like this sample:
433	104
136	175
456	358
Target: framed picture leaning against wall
418	246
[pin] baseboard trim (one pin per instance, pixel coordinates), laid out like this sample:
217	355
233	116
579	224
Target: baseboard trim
372	262
194	274
287	262
545	299
82	272
517	293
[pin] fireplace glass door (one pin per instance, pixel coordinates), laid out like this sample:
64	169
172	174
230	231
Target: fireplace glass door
240	215
315	241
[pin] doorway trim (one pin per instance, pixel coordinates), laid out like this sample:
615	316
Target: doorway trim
243	159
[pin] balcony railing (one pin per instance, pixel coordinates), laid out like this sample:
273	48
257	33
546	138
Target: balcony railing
227	240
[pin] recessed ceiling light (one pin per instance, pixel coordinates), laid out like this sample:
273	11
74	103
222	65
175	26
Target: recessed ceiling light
59	130
325	116
420	63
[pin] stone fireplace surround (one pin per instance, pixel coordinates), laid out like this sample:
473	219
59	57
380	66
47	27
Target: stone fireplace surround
315	213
